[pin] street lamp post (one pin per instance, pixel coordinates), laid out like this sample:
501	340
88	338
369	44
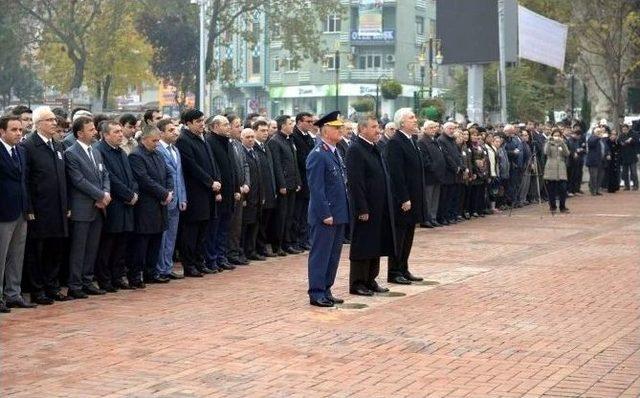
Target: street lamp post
573	83
336	64
381	77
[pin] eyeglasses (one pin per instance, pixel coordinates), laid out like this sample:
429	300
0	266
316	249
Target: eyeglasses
51	119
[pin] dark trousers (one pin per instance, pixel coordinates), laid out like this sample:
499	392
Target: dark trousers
217	240
557	190
399	263
364	273
630	170
300	226
444	205
85	240
455	201
146	251
596	174
192	236
249	236
477	198
265	230
43	260
235	232
110	264
284	220
324	256
513	186
465	205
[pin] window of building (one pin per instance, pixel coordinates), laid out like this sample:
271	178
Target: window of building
292	64
420	25
275	31
332	62
332	24
255	64
276	64
370	61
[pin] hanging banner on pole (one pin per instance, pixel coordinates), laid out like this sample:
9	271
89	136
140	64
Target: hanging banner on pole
541	39
370	17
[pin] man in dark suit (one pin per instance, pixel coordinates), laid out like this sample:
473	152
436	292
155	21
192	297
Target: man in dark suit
253	200
89	196
407	185
288	183
48	210
171	156
629	141
236	254
434	167
454	166
304	144
373	231
597	156
268	183
13	212
217	239
328	211
118	224
388	133
155	183
202	182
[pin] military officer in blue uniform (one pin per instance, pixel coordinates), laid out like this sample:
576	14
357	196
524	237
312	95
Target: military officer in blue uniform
328	210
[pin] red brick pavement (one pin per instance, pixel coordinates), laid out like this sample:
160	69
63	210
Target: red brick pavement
528	306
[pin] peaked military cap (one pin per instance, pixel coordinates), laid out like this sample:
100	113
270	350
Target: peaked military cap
330	119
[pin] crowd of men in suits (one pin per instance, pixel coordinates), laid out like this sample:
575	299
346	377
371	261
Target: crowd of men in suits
102	204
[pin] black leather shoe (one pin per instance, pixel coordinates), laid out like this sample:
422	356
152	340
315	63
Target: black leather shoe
412	278
305	246
565	210
256	257
43	299
205	270
77	294
292	250
399	280
121	284
334	300
93	291
137	284
227	267
436	224
323	302
426	225
20	303
57	296
444	222
193	273
379	289
108	288
268	254
174	276
235	261
3	308
281	253
361	291
158	279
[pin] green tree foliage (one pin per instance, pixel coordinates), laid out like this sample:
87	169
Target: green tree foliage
390	89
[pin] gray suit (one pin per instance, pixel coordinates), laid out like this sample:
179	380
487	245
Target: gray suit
242	173
87	184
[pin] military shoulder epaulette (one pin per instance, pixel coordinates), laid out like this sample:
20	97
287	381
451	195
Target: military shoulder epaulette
325	147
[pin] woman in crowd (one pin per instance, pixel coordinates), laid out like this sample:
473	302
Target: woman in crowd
479	174
493	177
612	175
555	170
503	172
528	163
463	182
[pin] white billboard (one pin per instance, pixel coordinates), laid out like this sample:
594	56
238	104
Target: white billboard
541	39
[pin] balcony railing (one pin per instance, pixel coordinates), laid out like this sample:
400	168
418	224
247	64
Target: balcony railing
369	74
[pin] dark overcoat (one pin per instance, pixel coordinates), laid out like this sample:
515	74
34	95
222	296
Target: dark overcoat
268	183
433	161
304	144
123	185
47	187
154	182
370	193
223	153
285	163
407	178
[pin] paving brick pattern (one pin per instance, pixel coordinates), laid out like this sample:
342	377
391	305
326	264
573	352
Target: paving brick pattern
527	306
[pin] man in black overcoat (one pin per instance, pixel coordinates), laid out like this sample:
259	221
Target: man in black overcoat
118	225
407	186
304	144
373	228
434	166
454	166
268	184
155	183
285	167
48	212
202	181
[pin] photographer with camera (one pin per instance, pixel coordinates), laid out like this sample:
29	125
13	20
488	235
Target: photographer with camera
555	170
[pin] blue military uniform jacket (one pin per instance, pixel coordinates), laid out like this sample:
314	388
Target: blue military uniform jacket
326	176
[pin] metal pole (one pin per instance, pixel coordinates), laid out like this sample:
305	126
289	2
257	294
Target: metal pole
336	63
503	66
430	67
573	106
378	99
202	53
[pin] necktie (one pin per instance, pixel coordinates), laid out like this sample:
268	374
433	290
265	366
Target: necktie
252	154
95	166
14	156
50	145
172	151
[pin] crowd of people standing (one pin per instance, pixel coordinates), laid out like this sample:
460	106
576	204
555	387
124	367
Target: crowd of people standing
102	204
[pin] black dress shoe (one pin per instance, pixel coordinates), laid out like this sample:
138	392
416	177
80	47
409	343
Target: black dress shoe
20	303
436	224
93	291
226	267
268	254
193	273
137	284
108	288
56	296
292	250
361	291
3	308
305	246
426	225
399	280
43	299
174	276
205	270
565	210
378	289
235	261
281	253
323	302
334	300
256	257
412	278
158	279
121	284
77	294
444	222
